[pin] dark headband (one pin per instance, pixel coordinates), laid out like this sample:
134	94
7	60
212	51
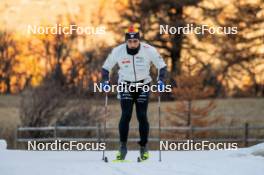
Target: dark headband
132	35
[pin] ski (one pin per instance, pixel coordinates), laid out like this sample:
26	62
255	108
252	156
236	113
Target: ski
105	159
120	161
123	161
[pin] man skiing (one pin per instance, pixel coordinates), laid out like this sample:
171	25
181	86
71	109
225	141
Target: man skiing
134	59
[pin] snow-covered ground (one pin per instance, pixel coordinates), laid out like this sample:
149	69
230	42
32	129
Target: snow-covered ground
246	161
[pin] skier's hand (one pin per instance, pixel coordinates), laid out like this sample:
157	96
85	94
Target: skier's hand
161	86
105	86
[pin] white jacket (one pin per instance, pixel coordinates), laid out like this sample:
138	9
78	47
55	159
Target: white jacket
134	67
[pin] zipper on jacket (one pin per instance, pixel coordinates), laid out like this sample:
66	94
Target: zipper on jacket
134	69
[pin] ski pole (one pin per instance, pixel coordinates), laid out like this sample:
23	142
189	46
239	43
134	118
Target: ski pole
159	113
104	130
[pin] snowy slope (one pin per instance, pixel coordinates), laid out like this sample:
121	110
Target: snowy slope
239	162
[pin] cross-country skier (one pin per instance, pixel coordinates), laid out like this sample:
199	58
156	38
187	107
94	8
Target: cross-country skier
134	59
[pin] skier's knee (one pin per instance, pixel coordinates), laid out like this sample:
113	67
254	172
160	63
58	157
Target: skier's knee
143	120
125	118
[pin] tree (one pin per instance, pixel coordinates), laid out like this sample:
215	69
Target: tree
8	59
242	54
150	15
57	49
39	104
190	87
236	59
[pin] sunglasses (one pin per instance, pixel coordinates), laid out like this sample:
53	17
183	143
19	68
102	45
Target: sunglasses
132	40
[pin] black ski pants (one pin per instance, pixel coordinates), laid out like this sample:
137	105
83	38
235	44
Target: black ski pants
127	101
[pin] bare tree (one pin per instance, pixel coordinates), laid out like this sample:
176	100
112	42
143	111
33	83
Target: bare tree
8	59
190	87
38	105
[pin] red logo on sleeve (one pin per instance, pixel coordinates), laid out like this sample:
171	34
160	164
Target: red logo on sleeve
125	61
145	46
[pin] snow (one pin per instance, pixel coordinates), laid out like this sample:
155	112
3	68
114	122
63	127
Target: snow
235	162
3	145
258	150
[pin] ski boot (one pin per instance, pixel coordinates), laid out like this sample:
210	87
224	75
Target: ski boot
121	154
144	154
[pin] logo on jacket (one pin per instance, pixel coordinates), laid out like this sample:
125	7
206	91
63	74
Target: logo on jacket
145	46
139	59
